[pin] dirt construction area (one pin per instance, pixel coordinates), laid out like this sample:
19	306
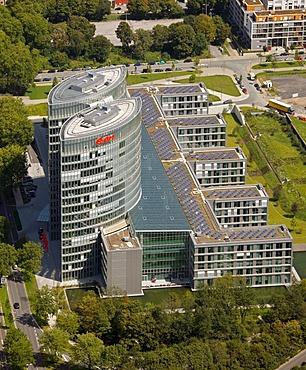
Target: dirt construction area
287	86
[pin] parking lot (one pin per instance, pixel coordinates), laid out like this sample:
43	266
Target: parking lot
108	29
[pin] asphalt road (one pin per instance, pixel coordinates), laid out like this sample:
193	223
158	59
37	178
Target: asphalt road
295	361
23	317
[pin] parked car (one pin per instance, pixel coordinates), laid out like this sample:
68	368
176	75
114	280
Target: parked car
52	71
188	60
37	79
228	101
76	69
152	63
46	79
158	70
285	53
127	64
137	64
16	305
161	62
62	70
245	91
168	69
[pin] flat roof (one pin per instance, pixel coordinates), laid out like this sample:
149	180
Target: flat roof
208	120
120	240
181	89
107	117
271	13
221	154
87	83
235	192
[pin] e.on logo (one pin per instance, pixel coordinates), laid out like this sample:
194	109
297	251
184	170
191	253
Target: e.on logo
104	140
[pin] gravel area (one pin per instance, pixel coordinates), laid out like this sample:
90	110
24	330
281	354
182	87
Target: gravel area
108	29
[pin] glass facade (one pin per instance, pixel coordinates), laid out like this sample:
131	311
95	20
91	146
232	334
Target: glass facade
100	183
165	254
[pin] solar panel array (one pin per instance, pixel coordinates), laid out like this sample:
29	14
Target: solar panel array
211	156
163	144
150	112
182	89
268	232
196	211
183	187
234	193
194	121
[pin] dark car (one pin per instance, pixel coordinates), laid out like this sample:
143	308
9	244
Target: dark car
168	69
127	64
76	69
137	64
37	79
16	305
151	63
145	70
62	70
188	60
158	70
46	79
228	101
285	53
52	71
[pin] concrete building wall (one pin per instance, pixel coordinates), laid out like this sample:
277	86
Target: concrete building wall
124	270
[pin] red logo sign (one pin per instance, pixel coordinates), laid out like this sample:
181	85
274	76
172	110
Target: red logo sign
104	140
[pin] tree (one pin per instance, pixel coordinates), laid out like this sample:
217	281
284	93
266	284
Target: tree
200	44
88	350
18	66
36	30
222	30
54	342
68	321
138	9
205	25
29	257
12	165
125	34
8	258
160	36
100	48
18	348
196	7
142	42
11	26
44	304
4	228
58	59
93	315
181	37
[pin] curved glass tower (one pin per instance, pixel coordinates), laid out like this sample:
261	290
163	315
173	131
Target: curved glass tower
99	179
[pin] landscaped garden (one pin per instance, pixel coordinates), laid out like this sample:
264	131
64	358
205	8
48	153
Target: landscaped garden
286	204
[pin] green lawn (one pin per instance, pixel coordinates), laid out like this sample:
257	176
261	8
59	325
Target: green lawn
38	92
75	295
284	64
300	127
158	296
31	287
37	109
299	262
149	77
264	295
220	83
6	308
275	213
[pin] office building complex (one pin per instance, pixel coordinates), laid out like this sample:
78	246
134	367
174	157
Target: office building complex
272	23
185	217
66	99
